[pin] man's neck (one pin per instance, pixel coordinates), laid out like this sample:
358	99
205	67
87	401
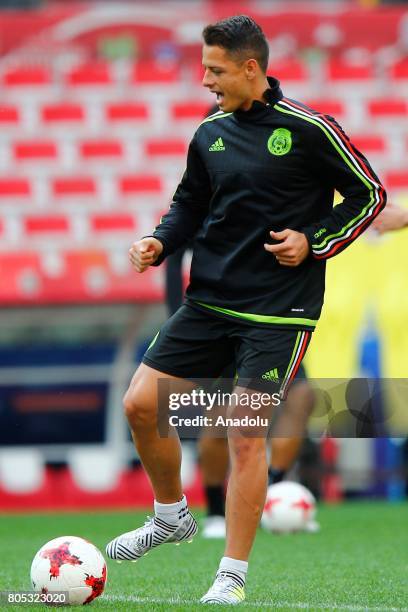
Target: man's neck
258	94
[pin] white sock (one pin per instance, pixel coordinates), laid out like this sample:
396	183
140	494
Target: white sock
171	513
235	567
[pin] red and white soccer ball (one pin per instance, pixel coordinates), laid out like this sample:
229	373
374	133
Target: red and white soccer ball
289	507
72	565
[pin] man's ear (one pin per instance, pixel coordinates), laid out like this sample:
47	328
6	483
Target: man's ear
251	69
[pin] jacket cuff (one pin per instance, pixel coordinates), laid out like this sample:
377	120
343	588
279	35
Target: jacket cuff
309	233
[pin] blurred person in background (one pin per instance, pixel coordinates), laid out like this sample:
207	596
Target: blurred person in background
392	218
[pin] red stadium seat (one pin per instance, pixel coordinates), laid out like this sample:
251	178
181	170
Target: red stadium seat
90	74
339	69
95	149
397	180
139	183
52	224
289	70
63	111
74	186
328	106
126	111
21	276
370	143
14	187
388	107
169	146
190	110
399	70
40	150
27	76
151	72
113	223
9	115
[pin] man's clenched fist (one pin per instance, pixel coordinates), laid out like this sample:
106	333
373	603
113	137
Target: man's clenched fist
144	253
292	249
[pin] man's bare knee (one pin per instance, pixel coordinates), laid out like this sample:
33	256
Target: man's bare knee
244	449
139	411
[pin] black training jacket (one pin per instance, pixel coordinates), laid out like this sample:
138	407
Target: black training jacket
272	167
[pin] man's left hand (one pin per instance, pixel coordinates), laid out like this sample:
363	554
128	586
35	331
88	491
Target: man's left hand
292	249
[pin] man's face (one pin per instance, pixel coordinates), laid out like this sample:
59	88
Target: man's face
226	78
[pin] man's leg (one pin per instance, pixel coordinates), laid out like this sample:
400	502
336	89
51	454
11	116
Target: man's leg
245	501
161	458
249	469
246	494
214	462
269	359
289	432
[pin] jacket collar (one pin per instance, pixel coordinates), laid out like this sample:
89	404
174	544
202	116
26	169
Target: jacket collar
260	109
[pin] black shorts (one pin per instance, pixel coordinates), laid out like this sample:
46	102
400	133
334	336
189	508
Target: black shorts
195	345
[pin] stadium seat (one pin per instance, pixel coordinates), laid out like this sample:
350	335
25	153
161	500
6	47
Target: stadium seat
35	150
9	115
89	276
22	469
289	69
99	149
397	180
328	106
165	146
150	72
46	224
388	107
90	74
21	277
370	143
14	188
113	223
338	69
62	112
27	76
189	110
399	70
126	112
139	183
74	186
94	469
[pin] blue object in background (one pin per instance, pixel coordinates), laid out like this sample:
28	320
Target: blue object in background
387	453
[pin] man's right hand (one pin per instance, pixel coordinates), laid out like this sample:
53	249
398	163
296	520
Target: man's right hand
144	253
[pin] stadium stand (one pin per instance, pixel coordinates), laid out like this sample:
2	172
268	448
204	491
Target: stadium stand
112	136
92	150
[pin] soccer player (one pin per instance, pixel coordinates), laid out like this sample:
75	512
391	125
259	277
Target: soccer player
264	167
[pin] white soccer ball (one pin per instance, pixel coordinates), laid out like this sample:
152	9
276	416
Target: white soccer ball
289	507
72	565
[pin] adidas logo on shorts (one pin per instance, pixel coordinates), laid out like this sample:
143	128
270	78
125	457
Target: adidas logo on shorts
272	375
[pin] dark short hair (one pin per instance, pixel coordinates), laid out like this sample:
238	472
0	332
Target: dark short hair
241	36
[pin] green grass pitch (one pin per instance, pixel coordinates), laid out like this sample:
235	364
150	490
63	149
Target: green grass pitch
359	561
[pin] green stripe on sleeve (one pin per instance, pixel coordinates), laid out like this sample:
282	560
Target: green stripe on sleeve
369	186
